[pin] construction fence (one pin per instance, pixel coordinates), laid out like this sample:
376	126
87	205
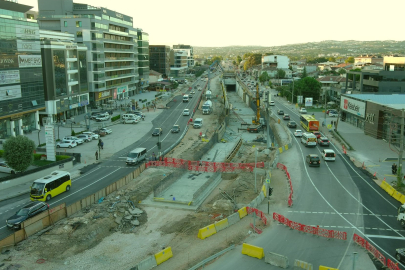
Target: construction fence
331	234
284	168
53	215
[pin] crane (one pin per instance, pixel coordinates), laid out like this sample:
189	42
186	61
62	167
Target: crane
256	120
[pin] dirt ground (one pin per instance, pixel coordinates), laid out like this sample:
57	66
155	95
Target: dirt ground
119	232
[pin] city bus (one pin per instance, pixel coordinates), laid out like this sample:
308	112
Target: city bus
309	123
47	187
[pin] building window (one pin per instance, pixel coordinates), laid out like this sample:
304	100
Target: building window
65	23
78	24
79	34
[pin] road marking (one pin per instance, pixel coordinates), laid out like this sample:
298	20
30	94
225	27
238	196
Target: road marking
384	236
332	213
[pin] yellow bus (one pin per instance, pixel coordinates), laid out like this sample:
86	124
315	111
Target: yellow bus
309	123
47	187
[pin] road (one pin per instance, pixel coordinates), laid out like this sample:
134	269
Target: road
114	168
336	195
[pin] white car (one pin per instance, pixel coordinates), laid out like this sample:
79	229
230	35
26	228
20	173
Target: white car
66	144
186	112
92	134
73	138
5	168
102	117
85	137
272	103
298	133
106	130
328	155
333	114
303	110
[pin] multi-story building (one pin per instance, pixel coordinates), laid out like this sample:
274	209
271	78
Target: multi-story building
21	82
369	59
64	65
112	44
143	59
159	58
178	62
276	61
190	53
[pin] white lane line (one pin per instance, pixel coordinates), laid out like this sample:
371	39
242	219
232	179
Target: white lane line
384	236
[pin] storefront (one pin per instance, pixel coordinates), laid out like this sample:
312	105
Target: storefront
19	124
101	98
353	111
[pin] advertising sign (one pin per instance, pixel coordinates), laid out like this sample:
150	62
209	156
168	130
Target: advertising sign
28	46
8	61
102	95
308	102
10	92
9	76
29	61
27	32
50	142
353	106
300	99
122	89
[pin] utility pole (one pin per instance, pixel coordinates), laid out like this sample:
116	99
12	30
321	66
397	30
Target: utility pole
292	93
255	168
401	149
325	110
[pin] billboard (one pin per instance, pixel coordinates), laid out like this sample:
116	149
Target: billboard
8	61
28	46
308	102
353	106
9	76
10	92
29	61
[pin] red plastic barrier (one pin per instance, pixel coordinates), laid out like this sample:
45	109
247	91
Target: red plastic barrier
258	213
393	266
284	168
257	230
377	254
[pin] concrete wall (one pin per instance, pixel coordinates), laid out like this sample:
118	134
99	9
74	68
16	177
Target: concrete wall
34	176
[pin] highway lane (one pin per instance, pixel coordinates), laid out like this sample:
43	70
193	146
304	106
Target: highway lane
114	168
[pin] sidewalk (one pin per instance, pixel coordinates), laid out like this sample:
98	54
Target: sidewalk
87	150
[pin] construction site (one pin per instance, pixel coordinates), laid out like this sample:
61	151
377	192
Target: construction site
154	211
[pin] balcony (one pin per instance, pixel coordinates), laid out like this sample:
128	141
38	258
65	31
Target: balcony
121	67
119	58
72	70
71	59
120	76
118	50
72	82
117	41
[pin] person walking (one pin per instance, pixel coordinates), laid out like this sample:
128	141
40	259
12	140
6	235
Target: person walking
96	155
102	144
153	156
394	168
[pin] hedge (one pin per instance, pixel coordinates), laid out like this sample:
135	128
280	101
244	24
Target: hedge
115	118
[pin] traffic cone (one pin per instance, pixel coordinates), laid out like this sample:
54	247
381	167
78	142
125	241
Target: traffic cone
375	174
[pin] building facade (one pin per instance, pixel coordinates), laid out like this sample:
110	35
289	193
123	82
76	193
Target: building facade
143	60
21	82
178	63
159	58
112	44
277	61
190	53
64	65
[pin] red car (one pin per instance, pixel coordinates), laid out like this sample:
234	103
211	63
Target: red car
317	134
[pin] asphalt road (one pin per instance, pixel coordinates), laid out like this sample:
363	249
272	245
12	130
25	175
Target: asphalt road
110	170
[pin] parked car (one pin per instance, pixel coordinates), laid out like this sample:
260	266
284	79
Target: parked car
85	137
73	138
103	117
92	134
292	124
317	134
286	117
280	112
303	110
175	129
323	141
313	160
6	169
100	133
66	144
298	133
157	132
106	130
26	212
139	114
186	112
333	113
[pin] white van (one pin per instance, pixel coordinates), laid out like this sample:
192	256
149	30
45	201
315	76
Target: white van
130	118
136	156
198	123
308	139
185	98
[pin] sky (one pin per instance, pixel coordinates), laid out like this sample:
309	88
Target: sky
219	23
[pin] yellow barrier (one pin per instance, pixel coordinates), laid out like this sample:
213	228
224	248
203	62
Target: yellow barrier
280	150
327	268
264	190
397	195
286	147
207	231
402	199
242	212
390	190
164	255
222	224
252	251
384	185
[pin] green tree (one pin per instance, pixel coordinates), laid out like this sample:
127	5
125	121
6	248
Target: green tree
332	59
264	77
246	56
238	59
269	53
304	73
280	74
19	152
246	65
341	71
308	87
349	59
350	76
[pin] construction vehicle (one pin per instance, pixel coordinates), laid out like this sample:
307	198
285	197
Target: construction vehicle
257	120
207	107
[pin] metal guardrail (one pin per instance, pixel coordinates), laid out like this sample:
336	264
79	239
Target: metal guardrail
202	263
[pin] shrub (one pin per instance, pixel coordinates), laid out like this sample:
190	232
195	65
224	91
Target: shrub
115	118
37	156
73	133
62	157
1	153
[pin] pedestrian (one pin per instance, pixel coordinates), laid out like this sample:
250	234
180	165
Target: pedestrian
96	155
102	144
147	108
153	156
394	168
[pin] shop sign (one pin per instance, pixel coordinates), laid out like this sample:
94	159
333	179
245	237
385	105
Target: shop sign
308	102
103	95
29	61
83	103
10	92
73	106
353	106
71	47
370	118
27	32
9	76
28	46
122	89
8	61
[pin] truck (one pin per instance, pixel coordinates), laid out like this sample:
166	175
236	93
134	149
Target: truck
254	128
208	94
401	215
207	107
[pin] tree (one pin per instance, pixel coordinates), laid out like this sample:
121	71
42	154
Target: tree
238	59
350	76
280	74
308	87
341	71
350	59
332	59
264	77
19	152
304	73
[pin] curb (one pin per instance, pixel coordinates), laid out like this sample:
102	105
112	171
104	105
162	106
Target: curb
14	196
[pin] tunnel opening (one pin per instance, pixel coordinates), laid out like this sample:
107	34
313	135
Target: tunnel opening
230	87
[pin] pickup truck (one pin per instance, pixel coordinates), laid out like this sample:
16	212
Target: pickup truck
254	128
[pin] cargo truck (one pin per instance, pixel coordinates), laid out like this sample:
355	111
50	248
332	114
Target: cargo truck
207	107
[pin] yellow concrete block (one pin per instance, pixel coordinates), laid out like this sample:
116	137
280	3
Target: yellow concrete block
390	190
264	190
164	255
252	251
402	199
384	185
397	195
242	212
286	147
207	231
321	267
280	150
222	224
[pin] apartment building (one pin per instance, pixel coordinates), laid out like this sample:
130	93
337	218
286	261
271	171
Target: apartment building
190	53
143	59
21	83
178	62
111	41
275	61
159	58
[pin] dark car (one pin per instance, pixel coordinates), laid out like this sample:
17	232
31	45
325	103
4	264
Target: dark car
323	141
400	254
286	117
280	112
291	124
28	211
317	134
175	129
157	132
313	160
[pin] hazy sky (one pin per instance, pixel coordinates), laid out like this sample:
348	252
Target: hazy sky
259	22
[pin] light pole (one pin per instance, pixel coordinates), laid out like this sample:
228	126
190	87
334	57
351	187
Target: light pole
401	148
325	111
39	130
255	168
